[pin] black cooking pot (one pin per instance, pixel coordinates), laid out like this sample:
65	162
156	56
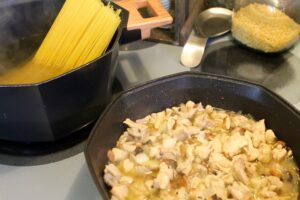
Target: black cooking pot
157	95
58	107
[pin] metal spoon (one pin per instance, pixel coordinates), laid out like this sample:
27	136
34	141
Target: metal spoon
209	23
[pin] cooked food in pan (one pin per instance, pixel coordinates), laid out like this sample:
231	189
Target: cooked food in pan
196	152
80	33
264	28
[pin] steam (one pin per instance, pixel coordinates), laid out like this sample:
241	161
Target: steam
23	25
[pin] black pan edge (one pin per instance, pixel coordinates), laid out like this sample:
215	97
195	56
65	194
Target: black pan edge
139	87
191	73
202	74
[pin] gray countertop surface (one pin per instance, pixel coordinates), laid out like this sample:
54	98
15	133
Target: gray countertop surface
69	178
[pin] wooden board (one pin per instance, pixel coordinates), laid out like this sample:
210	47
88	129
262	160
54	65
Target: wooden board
136	21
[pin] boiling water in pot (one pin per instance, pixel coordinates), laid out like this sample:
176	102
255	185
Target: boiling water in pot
23	25
81	33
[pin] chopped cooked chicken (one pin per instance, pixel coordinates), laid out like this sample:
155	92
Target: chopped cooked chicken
239	171
275	182
126	180
136	132
195	182
112	174
169	142
228	178
279	152
192	130
265	153
117	154
259	126
192	152
128	146
259	133
250	150
201	120
114	198
150	184
272	186
234	145
133	124
267	193
190	105
127	165
159	118
165	174
171	123
239	191
218	161
166	154
209	108
270	136
185	122
227	122
181	193
141	158
240	121
184	166
251	168
214	186
142	170
154	152
120	191
203	151
217	144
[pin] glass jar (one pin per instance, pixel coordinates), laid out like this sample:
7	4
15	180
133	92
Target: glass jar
266	25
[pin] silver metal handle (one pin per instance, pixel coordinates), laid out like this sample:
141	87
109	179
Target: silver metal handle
193	50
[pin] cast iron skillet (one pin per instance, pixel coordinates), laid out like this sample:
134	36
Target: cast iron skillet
172	90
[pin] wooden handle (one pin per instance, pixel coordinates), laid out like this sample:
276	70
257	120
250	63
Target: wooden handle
136	21
187	27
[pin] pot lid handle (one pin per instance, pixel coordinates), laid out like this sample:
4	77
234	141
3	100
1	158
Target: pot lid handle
137	21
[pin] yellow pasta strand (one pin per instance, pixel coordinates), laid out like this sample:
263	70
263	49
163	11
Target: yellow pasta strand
80	33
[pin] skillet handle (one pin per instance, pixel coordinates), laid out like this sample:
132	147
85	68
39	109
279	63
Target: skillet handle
144	25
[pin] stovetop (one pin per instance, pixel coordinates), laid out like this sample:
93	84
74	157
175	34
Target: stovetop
21	154
278	72
63	174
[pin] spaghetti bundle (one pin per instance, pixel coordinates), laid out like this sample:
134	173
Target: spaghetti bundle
80	33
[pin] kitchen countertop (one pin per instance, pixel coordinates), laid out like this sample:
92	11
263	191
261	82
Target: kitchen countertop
69	178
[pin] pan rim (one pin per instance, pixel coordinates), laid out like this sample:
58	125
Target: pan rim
141	86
